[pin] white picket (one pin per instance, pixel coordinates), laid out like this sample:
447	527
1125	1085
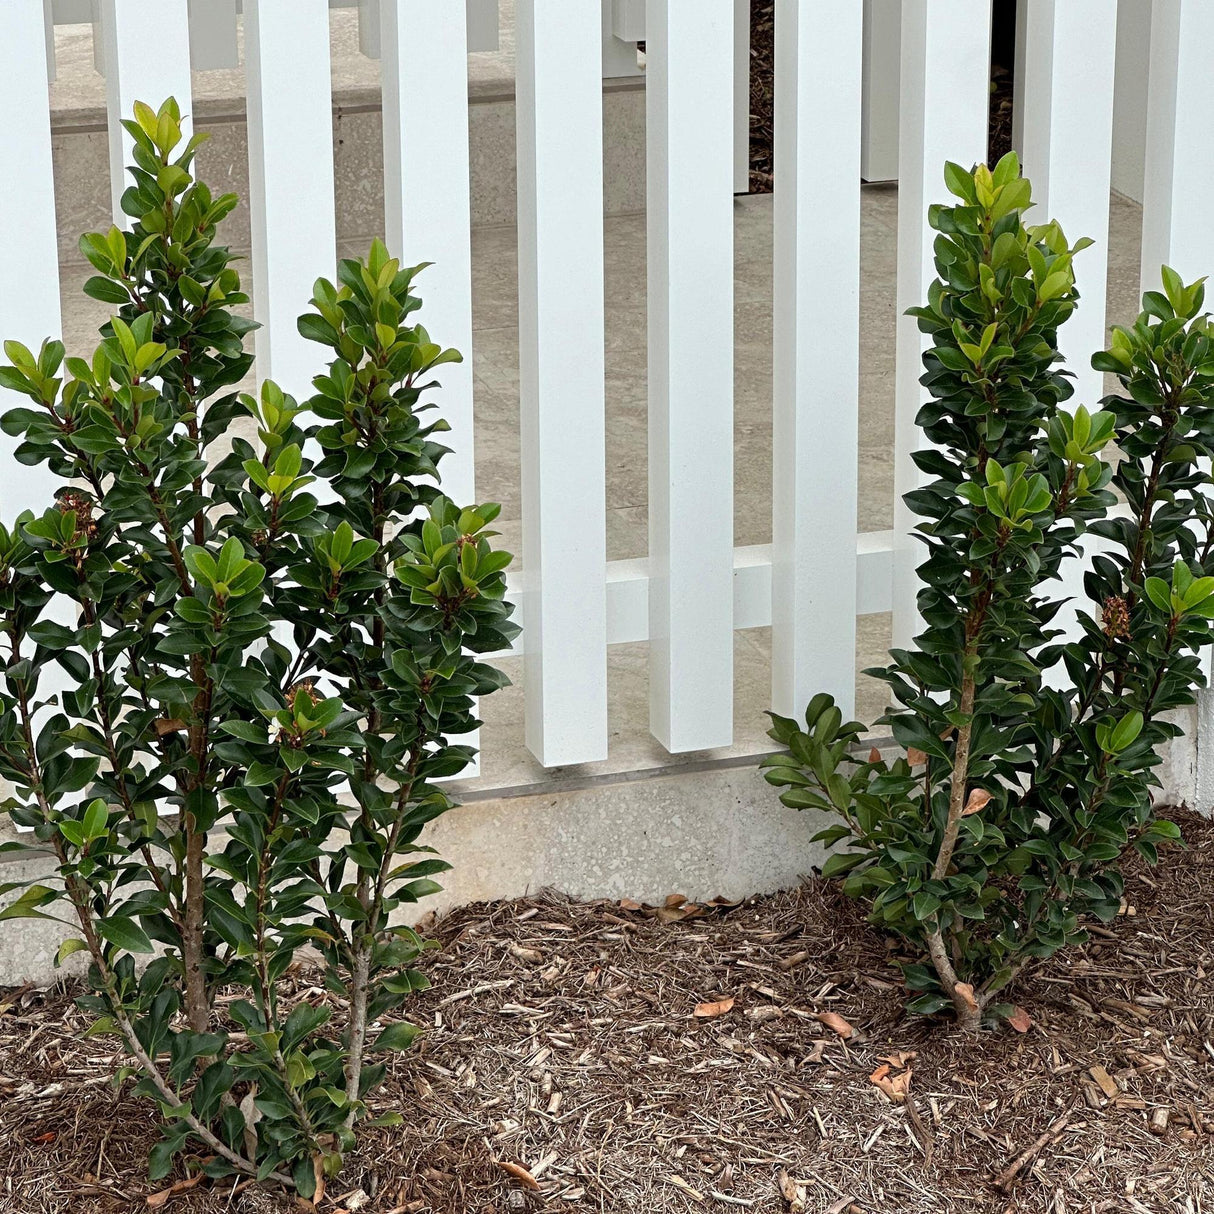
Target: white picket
1179	178
560	253
741	95
213	40
945	90
816	353
146	51
291	202
1179	169
619	54
29	267
484	25
882	53
1068	140
427	211
689	87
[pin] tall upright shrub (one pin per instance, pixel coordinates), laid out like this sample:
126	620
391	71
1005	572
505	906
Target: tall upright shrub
1028	759
265	615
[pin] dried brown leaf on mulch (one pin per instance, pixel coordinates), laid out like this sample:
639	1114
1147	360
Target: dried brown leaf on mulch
590	1073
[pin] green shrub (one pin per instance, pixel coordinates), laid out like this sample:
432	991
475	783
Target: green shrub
1004	823
262	681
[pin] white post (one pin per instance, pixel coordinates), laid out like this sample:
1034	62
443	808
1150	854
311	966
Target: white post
370	39
882	64
1068	142
427	209
146	51
1180	175
619	53
291	201
29	266
560	245
945	88
1176	217
741	96
484	22
213	42
817	335
690	108
1130	97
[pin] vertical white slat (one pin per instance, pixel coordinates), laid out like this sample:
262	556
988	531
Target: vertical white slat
628	20
561	399
1068	145
690	158
427	208
882	43
945	89
1179	164
815	419
146	51
741	95
427	204
1130	97
370	38
619	54
48	24
29	264
1176	220
213	42
1020	53
291	203
484	25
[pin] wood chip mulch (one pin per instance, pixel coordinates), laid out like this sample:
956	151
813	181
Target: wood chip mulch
597	1056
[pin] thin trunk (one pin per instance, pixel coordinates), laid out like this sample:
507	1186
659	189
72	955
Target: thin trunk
360	983
197	1003
969	1016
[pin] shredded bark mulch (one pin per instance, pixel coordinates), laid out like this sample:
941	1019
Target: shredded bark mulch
597	1056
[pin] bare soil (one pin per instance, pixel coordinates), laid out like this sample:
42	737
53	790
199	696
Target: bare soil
713	1058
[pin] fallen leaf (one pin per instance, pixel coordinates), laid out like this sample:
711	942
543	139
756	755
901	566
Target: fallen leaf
156	1200
1020	1020
355	1199
899	1058
675	900
915	756
976	802
966	991
531	955
519	1173
895	1087
707	1011
792	1192
837	1024
49	1136
629	905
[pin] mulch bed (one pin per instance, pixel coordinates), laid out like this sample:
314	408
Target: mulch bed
563	1040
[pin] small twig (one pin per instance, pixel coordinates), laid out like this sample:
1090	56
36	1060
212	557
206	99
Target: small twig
1005	1178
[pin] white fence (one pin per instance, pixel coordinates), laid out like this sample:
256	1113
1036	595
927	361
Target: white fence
694	589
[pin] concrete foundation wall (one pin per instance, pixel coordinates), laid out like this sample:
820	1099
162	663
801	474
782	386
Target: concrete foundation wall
698	833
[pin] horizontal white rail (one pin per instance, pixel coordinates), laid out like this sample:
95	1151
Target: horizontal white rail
628	584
